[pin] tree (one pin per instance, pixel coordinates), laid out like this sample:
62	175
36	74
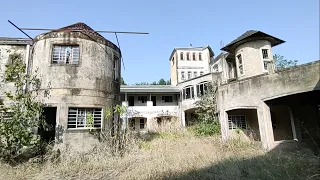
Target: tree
24	112
280	62
122	81
160	82
207	122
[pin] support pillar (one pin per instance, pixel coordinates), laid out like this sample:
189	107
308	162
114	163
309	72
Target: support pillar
265	125
294	133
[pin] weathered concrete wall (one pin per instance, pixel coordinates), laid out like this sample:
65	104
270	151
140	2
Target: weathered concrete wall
235	95
5	51
88	84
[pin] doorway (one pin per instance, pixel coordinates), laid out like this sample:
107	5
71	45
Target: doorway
47	133
154	100
131	100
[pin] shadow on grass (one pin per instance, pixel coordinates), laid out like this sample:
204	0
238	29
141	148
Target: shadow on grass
280	163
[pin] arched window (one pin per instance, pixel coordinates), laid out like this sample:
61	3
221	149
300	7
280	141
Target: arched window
200	56
188	56
181	56
183	76
194	56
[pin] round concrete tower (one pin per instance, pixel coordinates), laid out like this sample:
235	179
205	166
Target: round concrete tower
83	71
253	53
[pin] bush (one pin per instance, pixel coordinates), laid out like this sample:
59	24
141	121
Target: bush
207	129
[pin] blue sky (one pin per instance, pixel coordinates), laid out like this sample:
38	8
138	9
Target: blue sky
174	23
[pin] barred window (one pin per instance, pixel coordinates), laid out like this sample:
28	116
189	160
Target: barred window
65	54
237	122
78	117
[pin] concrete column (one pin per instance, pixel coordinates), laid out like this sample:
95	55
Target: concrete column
125	97
195	91
183	119
265	125
223	118
294	133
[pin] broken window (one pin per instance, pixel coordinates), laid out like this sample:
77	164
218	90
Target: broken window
195	74
142	123
167	99
65	54
188	56
115	67
142	99
265	54
240	64
237	122
189	74
80	117
188	92
182	76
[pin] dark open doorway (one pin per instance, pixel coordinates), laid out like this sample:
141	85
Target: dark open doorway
48	133
154	100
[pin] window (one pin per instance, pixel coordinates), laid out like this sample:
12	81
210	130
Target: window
231	70
265	54
183	77
188	56
65	54
132	124
194	56
200	56
181	56
265	59
159	121
142	99
201	73
142	123
188	92
167	99
195	74
202	88
215	68
237	122
79	117
240	64
115	67
189	74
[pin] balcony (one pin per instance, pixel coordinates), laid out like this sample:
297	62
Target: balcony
150	111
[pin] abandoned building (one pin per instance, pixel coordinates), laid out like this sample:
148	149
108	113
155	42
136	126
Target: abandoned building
253	98
82	69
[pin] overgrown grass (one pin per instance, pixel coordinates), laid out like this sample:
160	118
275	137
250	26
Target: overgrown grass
179	155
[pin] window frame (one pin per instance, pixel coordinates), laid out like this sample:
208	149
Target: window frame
238	124
142	97
169	100
201	73
190	90
238	64
194	56
181	56
142	123
200	56
195	73
265	61
53	46
189	75
116	67
188	56
183	76
95	111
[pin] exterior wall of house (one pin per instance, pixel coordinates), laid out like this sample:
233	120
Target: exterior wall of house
5	51
159	101
190	65
235	95
173	70
251	53
90	84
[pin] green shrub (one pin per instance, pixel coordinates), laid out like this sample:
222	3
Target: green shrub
207	129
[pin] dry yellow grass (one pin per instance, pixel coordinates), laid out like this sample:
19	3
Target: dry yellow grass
175	156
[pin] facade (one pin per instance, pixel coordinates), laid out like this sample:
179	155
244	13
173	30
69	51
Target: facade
188	63
254	100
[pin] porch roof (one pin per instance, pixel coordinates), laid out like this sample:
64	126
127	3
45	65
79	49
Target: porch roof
149	89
